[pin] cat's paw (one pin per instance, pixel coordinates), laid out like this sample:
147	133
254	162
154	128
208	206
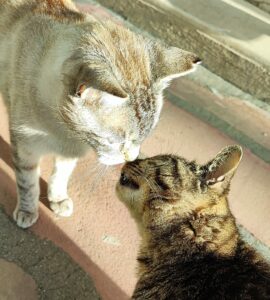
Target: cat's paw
63	208
25	219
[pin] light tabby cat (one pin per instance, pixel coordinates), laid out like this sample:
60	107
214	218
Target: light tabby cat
72	83
191	247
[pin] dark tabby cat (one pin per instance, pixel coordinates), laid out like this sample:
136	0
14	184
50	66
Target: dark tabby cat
191	248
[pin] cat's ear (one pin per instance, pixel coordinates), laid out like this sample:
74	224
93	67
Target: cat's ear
168	63
83	78
91	95
218	173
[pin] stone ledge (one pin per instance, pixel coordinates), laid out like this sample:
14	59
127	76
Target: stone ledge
262	4
231	38
224	106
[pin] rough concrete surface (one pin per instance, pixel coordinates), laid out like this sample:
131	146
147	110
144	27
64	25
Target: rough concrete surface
53	272
100	236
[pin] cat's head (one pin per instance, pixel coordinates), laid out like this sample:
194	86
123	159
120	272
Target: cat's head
166	187
115	81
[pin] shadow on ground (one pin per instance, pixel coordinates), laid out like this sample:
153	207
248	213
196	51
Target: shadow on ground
56	274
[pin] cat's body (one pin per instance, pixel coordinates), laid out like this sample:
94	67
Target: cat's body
72	83
191	248
187	271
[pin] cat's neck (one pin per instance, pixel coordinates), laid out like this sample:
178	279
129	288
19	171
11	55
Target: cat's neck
207	230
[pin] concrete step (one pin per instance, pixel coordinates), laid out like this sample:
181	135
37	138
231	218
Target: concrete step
226	108
262	4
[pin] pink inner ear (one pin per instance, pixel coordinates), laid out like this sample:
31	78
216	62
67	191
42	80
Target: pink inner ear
229	164
81	89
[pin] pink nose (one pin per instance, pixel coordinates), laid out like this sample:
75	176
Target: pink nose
131	156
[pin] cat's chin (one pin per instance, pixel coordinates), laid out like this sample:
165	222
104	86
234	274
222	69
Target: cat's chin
111	161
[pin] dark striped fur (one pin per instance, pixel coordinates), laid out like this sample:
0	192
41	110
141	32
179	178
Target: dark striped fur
191	248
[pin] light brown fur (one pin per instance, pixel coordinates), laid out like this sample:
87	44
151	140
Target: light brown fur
74	83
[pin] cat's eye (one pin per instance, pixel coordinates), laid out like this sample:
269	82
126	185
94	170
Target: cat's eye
128	182
123	179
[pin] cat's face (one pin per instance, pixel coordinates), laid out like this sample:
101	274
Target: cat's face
165	187
114	126
117	96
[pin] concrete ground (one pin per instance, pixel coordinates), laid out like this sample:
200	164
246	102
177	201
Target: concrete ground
101	237
32	268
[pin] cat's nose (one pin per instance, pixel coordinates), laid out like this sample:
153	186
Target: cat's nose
131	154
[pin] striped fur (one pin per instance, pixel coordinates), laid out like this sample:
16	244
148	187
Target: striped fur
72	83
190	248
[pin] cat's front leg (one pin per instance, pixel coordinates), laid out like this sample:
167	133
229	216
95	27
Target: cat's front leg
26	164
60	202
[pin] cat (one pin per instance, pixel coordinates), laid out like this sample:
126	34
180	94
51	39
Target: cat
191	247
72	83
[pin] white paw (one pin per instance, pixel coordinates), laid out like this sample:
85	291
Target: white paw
62	208
25	219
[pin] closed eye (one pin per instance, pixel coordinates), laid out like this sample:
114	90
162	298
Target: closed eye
128	182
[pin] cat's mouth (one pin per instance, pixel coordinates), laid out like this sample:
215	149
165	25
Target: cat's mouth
111	161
